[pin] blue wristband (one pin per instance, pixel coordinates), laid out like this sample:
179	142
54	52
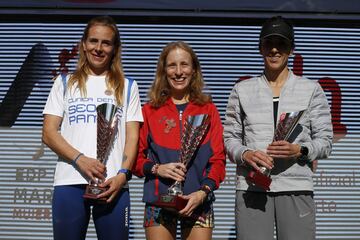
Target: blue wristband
77	158
127	172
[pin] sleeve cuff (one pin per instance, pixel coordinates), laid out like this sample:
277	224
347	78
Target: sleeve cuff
241	161
209	182
310	157
147	168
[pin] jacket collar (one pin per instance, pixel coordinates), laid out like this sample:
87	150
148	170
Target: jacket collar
169	102
289	81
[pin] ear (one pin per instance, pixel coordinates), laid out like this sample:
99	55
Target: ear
261	51
193	74
83	45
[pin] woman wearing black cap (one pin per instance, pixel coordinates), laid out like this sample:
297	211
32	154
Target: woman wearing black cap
254	109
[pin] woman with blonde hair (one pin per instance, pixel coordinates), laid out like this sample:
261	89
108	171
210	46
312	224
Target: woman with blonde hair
175	95
72	104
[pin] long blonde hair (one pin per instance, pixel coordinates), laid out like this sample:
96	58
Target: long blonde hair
160	89
115	78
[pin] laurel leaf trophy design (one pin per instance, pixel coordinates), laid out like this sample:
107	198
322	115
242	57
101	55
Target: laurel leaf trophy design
107	128
284	131
194	130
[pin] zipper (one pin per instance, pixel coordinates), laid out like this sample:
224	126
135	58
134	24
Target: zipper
181	131
180	122
180	115
279	109
275	121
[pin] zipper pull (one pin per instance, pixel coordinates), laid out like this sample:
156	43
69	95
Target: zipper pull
180	115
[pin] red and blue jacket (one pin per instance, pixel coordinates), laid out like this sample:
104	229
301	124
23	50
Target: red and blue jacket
160	141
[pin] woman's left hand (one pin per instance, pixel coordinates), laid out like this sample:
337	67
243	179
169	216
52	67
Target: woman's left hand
114	185
195	199
283	149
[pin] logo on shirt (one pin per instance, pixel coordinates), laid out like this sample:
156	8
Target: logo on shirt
83	110
169	123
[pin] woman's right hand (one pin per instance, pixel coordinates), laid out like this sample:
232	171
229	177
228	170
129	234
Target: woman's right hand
257	159
175	171
91	167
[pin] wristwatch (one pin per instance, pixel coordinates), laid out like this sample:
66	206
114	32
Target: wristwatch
154	169
206	189
127	172
210	196
304	151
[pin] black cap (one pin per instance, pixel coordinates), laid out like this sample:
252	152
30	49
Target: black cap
277	26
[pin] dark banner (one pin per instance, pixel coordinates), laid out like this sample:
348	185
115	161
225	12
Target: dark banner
306	6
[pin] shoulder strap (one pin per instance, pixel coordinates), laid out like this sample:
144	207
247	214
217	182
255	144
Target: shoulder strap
63	78
129	91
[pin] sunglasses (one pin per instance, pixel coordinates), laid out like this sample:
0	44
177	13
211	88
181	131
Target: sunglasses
281	44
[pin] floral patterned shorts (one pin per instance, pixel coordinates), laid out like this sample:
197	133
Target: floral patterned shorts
202	217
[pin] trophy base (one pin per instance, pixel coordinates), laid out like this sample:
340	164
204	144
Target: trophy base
92	192
259	179
171	202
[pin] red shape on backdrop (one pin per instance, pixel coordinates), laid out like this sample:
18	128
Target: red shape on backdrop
64	57
330	85
243	78
298	65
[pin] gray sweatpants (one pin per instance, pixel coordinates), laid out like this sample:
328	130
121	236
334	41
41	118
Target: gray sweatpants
256	214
